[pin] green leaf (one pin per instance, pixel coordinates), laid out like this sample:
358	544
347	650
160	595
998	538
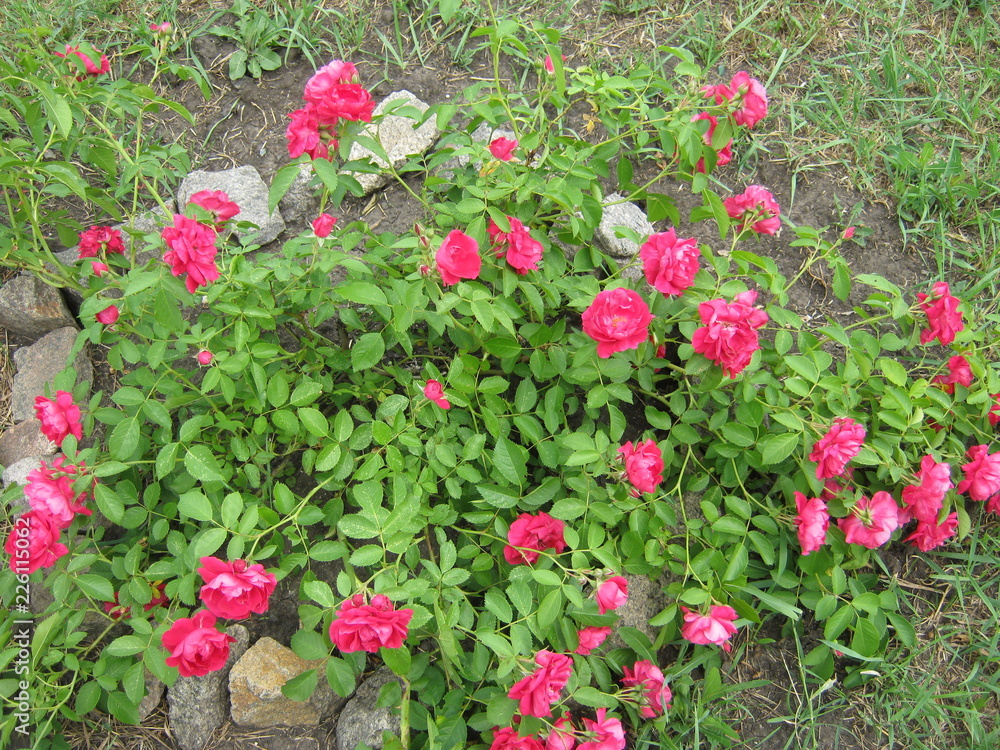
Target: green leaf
340	676
302	687
776	448
905	631
838	622
320	592
397	659
314	421
357	526
195	505
867	638
594	698
367	351
498	497
124	439
280	183
547	577
208	542
109	503
550	606
97	587
367	555
201	463
166	459
362	293
510	460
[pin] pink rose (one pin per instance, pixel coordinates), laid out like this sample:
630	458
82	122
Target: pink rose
322	225
609	734
838	446
435	393
217	204
756	208
643	465
943	316
871	522
590	638
100	240
508	739
91	68
117	611
326	80
931	534
562	736
108	316
59	417
611	594
50	492
982	473
748	92
812	522
924	499
305	136
160	28
669	263
234	589
196	646
348	101
458	258
533	534
34	543
715	627
503	148
959	373
523	251
205	357
729	334
617	319
539	690
656	696
191	251
725	154
99	268
369	627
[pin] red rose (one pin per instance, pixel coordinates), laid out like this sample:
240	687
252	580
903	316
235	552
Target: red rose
435	392
539	690
108	316
99	240
458	258
872	521
729	334
943	316
812	522
643	465
234	589
91	68
669	263
196	646
34	543
608	733
368	627
931	534
508	739
522	250
305	137
838	446
590	638
503	148
924	499
611	594
205	357
749	93
715	627
59	418
656	696
533	534
322	225
50	492
959	373
192	251
617	319
216	203
756	208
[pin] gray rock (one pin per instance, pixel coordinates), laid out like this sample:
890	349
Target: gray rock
39	364
645	601
397	136
32	308
21	441
199	705
300	203
255	689
626	215
361	720
17	472
244	187
153	696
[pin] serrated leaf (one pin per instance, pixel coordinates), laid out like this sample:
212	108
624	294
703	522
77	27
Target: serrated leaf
195	505
202	464
96	587
367	351
301	688
776	448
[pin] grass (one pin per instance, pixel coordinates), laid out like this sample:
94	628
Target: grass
902	100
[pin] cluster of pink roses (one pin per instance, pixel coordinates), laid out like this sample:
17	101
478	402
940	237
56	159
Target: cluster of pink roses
91	68
232	590
458	256
332	96
191	243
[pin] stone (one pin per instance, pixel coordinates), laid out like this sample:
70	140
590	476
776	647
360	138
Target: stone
645	601
397	136
626	215
17	472
153	696
199	705
255	689
32	308
23	440
361	720
39	364
300	202
244	187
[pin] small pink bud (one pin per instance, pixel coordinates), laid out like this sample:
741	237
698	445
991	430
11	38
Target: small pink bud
99	268
848	233
322	225
108	315
160	28
425	270
205	357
